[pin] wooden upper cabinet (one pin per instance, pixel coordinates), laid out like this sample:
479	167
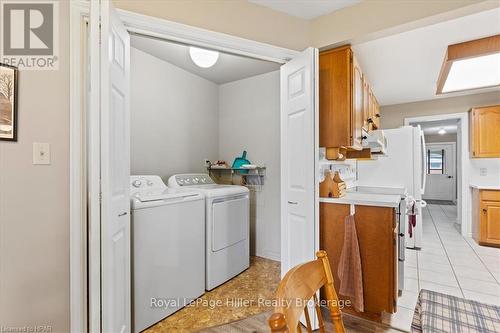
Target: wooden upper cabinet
347	105
376	119
338	81
484	131
357	103
366	104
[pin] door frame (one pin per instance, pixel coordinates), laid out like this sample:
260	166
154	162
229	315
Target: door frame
462	168
85	296
454	157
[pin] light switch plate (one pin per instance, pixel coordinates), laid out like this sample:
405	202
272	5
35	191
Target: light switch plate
41	153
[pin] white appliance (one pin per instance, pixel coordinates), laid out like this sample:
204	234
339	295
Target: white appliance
404	165
227	214
168	249
376	141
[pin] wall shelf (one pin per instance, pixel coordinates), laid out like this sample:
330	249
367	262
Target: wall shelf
237	176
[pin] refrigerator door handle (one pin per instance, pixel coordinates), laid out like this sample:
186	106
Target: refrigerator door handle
424	162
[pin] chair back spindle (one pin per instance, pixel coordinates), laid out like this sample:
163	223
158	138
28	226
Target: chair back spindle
297	288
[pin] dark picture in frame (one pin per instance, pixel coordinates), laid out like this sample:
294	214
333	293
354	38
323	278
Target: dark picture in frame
8	102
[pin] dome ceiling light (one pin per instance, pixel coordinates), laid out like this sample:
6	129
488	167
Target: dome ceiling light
203	58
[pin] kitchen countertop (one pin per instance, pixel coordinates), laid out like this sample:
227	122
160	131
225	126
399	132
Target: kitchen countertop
485	187
365	199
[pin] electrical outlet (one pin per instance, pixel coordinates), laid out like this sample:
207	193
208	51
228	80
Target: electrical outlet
483	172
41	153
207	162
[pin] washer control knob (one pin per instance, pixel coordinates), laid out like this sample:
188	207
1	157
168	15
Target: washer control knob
137	183
150	183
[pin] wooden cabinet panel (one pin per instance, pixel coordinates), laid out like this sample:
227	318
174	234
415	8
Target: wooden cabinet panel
490	195
490	222
484	134
486	217
335	101
366	105
357	103
375	229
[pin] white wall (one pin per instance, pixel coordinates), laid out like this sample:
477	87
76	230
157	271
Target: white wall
174	118
250	120
178	119
436	138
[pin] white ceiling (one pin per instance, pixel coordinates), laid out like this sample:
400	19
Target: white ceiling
432	127
306	9
404	68
228	67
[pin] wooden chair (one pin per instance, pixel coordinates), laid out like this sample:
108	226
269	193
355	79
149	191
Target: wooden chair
299	286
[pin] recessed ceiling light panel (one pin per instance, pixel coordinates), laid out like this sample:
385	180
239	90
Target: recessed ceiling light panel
471	65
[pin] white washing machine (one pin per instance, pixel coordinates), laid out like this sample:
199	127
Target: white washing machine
168	249
227	215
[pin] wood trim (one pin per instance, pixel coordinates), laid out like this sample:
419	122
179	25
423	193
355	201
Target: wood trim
465	50
474	48
79	15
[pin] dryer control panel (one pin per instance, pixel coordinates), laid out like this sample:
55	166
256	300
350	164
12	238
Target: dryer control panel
190	179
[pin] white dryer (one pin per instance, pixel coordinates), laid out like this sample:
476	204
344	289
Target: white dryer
227	216
168	249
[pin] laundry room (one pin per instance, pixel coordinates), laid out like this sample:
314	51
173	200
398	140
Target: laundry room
199	116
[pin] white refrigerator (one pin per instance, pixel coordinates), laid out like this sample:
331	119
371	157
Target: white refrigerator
404	165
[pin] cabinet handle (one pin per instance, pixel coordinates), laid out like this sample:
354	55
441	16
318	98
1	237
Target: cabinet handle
293	202
485	210
122	214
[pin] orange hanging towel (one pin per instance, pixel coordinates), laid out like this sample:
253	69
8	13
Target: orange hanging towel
349	269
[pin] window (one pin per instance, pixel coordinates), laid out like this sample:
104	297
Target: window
435	161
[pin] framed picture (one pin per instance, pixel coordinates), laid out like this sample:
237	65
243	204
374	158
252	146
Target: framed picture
8	102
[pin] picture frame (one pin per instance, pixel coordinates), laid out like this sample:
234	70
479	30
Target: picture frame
8	102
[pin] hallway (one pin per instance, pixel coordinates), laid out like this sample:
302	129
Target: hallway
451	263
447	263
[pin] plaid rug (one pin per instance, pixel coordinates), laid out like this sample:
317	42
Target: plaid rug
436	312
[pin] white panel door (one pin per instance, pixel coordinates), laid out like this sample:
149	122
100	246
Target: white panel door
299	154
299	225
115	172
441	165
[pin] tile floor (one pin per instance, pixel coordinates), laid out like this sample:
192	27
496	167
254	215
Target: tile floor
447	263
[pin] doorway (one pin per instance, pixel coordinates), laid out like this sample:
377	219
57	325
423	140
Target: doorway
441	184
447	154
110	107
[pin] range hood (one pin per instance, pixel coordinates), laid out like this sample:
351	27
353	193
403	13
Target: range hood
376	141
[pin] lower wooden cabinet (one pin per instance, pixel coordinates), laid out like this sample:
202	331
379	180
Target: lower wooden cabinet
486	217
375	227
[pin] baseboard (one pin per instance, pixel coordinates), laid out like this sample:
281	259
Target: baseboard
269	255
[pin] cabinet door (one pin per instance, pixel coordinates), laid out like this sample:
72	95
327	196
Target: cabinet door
376	119
490	222
357	104
485	141
371	112
335	102
366	104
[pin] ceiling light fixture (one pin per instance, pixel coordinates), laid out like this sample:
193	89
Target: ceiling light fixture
442	131
470	65
203	58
